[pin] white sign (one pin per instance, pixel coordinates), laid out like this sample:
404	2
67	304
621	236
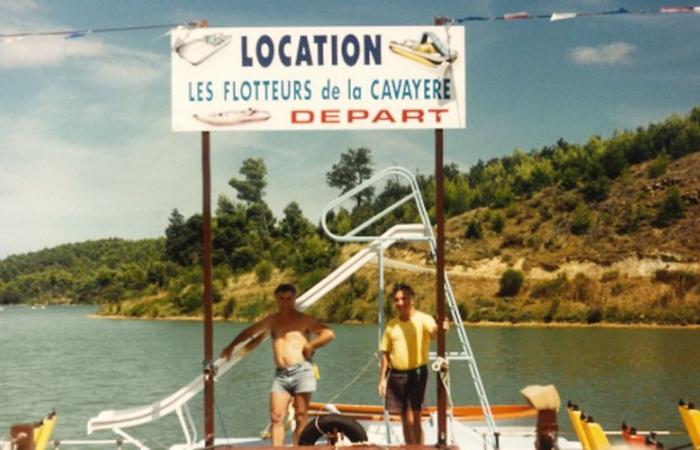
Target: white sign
329	78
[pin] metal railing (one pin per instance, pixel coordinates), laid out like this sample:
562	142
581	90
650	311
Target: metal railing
466	353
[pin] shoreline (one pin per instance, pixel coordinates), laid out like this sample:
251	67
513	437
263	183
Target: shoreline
482	324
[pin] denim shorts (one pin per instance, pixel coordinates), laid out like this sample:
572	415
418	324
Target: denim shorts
296	379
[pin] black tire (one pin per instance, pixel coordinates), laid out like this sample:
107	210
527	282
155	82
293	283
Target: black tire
331	424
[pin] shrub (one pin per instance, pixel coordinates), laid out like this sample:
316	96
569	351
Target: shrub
308	279
551	310
682	281
510	283
498	222
658	166
567	202
229	308
253	309
556	287
610	275
584	289
473	230
571	312
581	220
512	240
533	242
670	209
189	299
596	190
632	219
569	178
263	271
595	315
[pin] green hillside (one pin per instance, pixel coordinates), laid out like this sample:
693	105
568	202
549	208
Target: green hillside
604	231
87	272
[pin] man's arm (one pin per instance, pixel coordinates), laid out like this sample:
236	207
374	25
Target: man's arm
383	369
323	336
433	328
256	328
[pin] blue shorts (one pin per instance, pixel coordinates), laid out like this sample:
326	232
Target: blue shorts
296	379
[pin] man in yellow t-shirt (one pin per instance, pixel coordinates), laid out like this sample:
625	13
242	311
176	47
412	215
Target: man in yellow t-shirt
403	374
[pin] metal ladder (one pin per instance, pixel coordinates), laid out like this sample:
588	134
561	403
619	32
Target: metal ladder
466	353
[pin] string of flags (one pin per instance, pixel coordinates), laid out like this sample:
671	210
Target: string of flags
522	15
556	16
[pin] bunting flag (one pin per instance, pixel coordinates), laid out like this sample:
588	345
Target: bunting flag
557	16
77	34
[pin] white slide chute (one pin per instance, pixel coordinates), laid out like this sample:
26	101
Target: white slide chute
118	420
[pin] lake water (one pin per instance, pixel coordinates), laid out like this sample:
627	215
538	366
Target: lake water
59	359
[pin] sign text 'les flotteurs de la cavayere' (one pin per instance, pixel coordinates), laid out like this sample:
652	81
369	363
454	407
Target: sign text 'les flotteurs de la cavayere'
318	78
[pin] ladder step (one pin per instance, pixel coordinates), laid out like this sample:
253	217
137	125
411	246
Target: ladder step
452	356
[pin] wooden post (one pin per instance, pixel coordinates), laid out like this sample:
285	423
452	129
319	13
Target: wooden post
206	284
207	300
440	275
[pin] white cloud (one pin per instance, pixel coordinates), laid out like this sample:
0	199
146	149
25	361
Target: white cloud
18	5
95	60
45	51
128	67
609	55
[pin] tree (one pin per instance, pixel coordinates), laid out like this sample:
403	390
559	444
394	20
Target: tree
295	226
183	239
251	189
510	283
354	167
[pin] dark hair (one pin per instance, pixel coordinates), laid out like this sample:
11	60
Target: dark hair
286	288
405	288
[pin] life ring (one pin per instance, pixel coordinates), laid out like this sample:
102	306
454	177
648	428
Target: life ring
330	425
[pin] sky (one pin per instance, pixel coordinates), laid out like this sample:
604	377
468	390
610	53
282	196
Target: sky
87	151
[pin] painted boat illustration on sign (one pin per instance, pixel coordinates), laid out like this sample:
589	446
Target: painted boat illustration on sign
198	50
229	118
430	50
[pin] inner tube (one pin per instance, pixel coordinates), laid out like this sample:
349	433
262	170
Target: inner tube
332	424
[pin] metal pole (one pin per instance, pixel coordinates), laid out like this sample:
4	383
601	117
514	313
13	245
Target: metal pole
207	300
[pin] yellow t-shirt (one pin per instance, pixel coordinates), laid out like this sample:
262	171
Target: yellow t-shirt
408	342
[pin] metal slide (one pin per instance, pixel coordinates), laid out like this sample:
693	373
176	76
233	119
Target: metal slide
118	420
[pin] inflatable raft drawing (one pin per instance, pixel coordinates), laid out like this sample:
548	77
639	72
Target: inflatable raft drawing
198	50
233	118
429	50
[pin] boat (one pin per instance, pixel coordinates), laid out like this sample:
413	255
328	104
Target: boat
461	413
231	118
469	426
429	50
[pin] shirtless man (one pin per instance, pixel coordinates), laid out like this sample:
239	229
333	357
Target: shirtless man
292	348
